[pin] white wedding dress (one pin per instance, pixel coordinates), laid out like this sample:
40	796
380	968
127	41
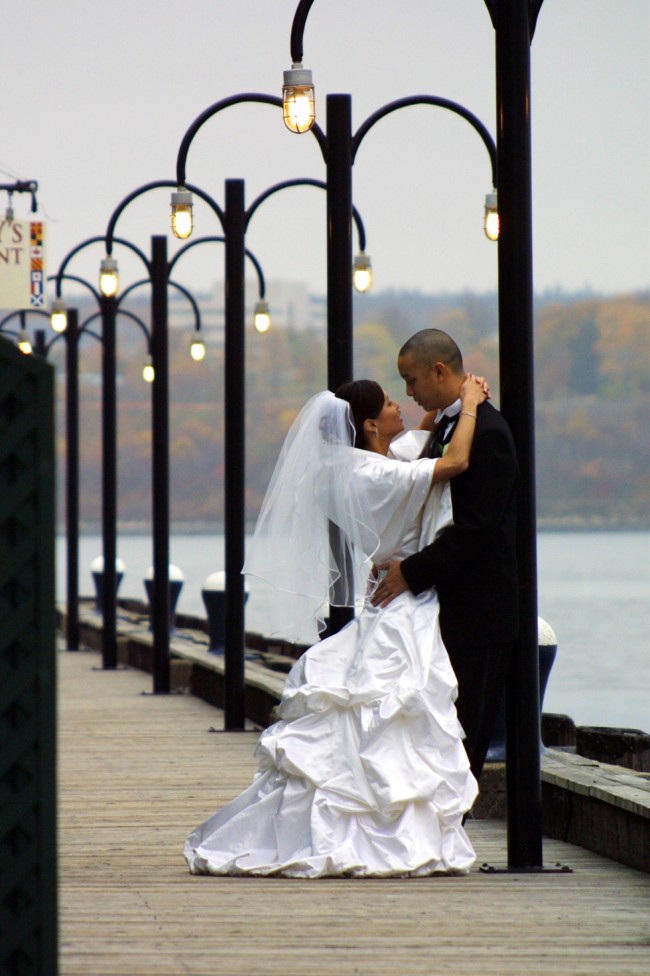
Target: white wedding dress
365	774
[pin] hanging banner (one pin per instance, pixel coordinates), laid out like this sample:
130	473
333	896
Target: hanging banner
22	264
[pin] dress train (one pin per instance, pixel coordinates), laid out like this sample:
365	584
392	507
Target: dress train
365	774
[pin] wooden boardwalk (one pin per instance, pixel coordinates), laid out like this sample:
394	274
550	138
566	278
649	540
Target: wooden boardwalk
137	772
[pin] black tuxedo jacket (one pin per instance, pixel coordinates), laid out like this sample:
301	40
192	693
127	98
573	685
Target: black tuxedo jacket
473	563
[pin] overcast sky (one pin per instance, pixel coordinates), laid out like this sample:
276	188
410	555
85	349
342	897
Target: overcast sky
97	97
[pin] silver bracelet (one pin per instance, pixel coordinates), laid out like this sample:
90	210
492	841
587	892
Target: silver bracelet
467	414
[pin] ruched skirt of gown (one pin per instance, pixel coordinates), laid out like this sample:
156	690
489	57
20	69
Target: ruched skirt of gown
365	774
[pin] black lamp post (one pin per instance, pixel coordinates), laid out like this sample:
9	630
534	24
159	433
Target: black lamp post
158	273
236	219
514	22
339	153
72	333
160	270
342	147
71	468
72	479
108	309
110	306
234	223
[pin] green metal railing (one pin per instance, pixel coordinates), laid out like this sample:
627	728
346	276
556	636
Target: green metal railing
28	879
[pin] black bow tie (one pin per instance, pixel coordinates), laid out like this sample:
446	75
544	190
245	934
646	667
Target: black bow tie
438	439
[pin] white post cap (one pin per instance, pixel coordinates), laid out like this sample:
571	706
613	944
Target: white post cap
176	575
217	582
97	565
545	634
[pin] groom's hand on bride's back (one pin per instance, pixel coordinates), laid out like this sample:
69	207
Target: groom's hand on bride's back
390	585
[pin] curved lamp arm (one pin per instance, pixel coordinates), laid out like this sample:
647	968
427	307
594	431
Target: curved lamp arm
305	182
79	281
121	311
21	313
296	45
303	8
259	98
186	247
84	330
138	321
21	335
192	301
95	240
261	284
437	102
221	240
146	188
69	256
298	28
132	287
173	284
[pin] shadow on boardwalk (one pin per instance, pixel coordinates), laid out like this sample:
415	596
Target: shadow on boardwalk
137	772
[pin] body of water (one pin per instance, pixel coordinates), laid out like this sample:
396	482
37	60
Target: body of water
594	591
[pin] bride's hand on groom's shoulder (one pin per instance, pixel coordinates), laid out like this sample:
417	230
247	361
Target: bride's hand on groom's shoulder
474	390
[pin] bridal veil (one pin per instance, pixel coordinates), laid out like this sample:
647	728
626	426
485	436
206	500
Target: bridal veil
313	542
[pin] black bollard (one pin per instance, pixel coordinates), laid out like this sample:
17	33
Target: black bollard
97	573
176	580
547	643
214	600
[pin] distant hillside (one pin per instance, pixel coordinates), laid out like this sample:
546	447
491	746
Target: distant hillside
592	378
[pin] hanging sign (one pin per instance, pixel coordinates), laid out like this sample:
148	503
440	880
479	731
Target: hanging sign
22	264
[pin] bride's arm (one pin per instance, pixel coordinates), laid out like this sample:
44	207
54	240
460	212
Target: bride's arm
456	457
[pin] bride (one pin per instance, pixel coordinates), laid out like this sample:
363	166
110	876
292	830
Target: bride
365	773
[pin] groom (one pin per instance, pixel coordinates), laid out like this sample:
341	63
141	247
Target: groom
472	563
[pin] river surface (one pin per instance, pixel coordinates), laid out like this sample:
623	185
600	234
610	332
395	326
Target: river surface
593	589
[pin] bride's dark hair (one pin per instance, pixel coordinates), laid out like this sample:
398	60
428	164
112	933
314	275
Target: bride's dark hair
366	399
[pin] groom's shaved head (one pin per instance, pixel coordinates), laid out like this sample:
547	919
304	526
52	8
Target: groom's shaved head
431	346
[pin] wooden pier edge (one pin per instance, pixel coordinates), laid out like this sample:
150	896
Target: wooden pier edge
601	807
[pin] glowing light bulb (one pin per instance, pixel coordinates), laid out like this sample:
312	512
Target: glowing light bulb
148	372
182	217
58	316
491	216
262	316
362	273
108	278
197	350
24	343
298	109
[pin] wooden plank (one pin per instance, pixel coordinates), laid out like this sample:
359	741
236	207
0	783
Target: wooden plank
137	772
